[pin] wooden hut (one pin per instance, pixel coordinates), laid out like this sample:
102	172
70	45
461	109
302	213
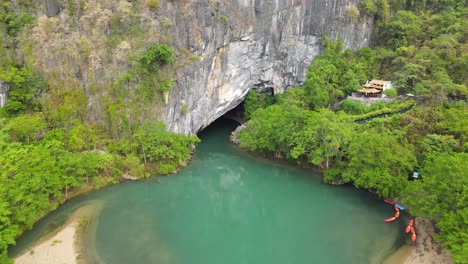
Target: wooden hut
374	88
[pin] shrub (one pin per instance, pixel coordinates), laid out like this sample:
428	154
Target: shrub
184	110
153	4
165	149
254	101
166	86
26	127
352	107
157	53
353	13
390	93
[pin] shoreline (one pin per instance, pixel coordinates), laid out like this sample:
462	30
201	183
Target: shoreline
67	244
426	250
62	245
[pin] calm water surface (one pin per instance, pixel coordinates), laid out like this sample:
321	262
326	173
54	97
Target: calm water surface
230	207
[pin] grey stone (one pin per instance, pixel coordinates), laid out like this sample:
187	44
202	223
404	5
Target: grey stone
261	44
4	88
52	7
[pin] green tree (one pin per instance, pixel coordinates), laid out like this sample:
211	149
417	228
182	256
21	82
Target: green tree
167	150
321	84
26	127
379	159
432	145
455	121
254	101
407	78
324	137
8	231
25	90
403	29
157	54
271	129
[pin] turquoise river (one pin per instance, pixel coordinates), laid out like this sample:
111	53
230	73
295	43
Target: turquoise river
227	207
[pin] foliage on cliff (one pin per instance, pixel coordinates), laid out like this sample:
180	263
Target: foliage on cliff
422	47
85	93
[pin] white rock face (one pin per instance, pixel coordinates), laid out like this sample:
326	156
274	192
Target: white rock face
241	44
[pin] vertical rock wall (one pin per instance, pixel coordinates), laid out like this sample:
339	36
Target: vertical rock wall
244	44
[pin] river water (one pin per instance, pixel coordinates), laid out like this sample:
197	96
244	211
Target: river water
228	207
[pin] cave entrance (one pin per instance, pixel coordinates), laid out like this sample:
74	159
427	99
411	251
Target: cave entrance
236	114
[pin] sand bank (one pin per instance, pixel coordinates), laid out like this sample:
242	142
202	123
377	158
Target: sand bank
60	247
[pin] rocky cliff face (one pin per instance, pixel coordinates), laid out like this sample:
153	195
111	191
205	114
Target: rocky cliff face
91	49
244	44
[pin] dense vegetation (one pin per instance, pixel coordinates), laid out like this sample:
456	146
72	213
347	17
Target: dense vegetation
85	114
422	47
71	125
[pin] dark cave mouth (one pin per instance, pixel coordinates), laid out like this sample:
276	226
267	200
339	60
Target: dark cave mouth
237	114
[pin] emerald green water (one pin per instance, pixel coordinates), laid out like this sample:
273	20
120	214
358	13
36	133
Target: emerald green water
230	207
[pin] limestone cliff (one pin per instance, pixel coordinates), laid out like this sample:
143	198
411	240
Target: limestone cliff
223	49
249	43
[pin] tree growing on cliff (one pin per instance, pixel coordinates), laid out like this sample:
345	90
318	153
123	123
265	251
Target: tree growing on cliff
157	54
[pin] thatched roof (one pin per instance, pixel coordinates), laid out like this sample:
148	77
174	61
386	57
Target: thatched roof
374	84
371	90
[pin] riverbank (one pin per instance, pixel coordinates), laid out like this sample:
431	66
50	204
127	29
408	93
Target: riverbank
424	251
62	245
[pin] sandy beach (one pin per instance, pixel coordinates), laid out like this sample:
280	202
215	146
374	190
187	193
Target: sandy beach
60	247
424	251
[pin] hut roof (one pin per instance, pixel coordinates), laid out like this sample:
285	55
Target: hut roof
371	90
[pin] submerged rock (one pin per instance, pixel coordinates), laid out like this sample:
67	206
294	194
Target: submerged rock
129	177
234	137
337	182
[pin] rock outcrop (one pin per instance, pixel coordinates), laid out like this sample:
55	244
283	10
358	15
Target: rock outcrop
4	87
244	44
224	48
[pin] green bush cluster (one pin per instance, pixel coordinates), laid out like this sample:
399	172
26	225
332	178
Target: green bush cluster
385	111
153	4
157	54
254	101
390	93
15	23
